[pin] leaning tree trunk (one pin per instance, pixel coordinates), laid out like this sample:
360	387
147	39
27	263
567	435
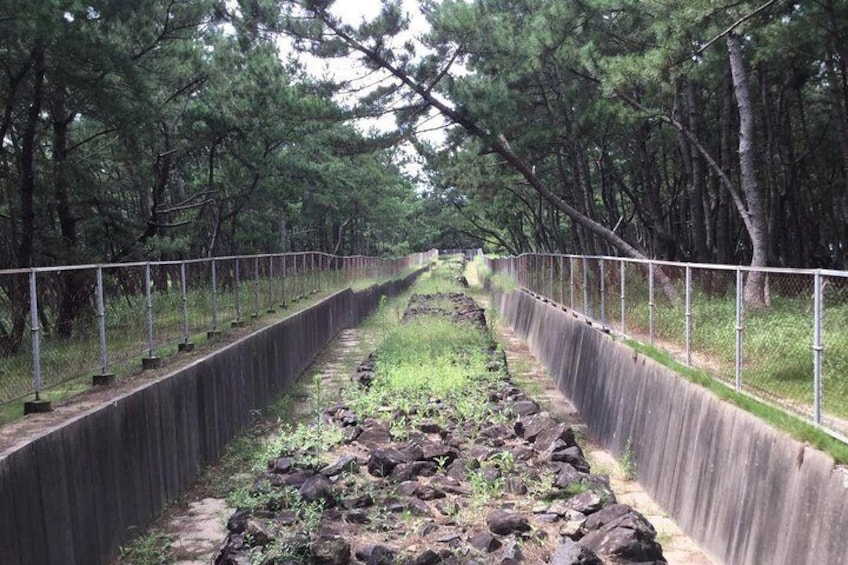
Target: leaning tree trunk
755	284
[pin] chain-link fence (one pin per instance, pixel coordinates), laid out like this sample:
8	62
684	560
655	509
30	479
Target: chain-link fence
775	334
61	326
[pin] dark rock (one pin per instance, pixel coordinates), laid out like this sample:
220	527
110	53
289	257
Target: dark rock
449	537
360	501
258	532
427	492
351	434
524	408
330	551
356	517
529	428
523	452
484	542
481	452
438	451
568	476
286	518
296	479
238	521
447	507
345	463
408	488
511	554
573	456
570	553
318	488
431	427
374	437
408	471
426	528
490	473
586	502
427	557
504	523
376	555
546	437
615	512
281	464
381	462
497	432
628	537
417	508
515	485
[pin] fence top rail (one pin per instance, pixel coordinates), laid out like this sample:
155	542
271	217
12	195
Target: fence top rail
711	266
135	264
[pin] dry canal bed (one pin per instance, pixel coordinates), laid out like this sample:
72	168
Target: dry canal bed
431	454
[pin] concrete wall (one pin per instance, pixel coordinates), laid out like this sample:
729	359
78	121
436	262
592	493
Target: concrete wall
71	495
745	491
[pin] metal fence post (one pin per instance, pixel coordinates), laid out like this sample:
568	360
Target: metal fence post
185	345
651	304
255	287
621	276
603	290
738	329
586	311
817	348
271	309
571	282
151	361
689	315
238	322
551	279
36	334
214	331
101	321
561	282
283	303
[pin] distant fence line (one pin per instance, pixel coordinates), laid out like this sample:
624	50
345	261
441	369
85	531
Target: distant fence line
63	322
793	352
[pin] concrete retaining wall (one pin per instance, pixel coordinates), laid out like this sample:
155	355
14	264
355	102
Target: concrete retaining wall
745	491
71	495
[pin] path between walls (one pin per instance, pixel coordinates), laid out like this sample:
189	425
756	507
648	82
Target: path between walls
678	548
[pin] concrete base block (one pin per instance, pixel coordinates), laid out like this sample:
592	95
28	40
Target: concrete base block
37	407
284	306
254	316
213	334
104	379
185	347
148	363
271	311
237	324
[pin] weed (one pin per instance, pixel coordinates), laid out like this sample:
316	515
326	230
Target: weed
150	548
628	461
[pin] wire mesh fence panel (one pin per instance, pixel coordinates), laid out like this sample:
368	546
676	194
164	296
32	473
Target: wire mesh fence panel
713	322
166	306
835	352
68	322
777	360
636	299
125	317
16	369
669	308
576	285
199	299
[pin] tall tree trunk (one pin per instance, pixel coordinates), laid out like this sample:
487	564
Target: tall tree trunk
755	285
696	198
73	292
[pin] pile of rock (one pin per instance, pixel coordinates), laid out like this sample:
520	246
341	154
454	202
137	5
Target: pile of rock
511	487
